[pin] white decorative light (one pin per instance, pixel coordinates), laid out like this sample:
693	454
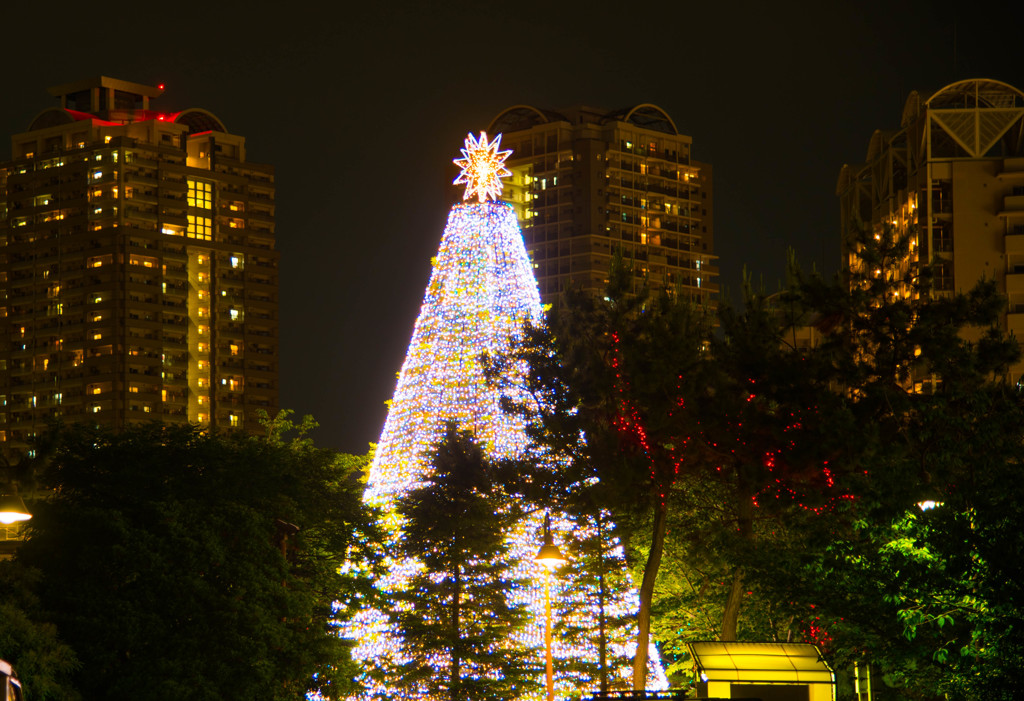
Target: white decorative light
481	293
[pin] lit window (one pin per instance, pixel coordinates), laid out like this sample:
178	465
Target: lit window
235	261
233	419
199	228
97	336
106	139
234	315
95	409
202	347
146	408
200	194
133	389
203	418
233	348
97	175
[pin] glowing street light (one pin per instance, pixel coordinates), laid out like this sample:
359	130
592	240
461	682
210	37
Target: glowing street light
550	558
13	509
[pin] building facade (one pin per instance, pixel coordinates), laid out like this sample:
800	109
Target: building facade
138	274
952	178
588	184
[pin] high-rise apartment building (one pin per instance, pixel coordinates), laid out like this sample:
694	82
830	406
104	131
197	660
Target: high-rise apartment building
952	177
587	184
138	275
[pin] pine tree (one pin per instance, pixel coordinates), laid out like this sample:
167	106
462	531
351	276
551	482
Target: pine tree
457	620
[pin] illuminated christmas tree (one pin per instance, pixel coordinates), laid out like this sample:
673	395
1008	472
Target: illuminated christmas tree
481	293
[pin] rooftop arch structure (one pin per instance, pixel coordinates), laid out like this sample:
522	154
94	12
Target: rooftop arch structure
199	120
519	117
649	116
55	117
968	119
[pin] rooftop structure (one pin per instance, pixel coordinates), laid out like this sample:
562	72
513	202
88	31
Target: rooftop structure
952	178
587	184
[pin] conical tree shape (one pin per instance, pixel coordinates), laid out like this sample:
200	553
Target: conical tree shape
481	293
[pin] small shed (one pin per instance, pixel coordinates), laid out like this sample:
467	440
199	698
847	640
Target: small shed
765	671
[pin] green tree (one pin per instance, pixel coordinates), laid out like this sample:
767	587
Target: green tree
456	616
43	662
604	394
179	563
928	597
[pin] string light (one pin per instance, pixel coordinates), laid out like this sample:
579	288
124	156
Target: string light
480	295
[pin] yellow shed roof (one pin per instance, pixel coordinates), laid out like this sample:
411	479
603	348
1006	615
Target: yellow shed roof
766	663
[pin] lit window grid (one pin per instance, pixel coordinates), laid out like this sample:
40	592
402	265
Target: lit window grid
200	194
199	228
481	292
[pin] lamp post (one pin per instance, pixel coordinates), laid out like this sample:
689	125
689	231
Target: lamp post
550	558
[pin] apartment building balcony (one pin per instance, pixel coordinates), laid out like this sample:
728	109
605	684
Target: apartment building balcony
1013	206
1013	169
1015	285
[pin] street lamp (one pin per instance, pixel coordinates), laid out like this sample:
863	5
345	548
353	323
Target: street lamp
550	558
13	509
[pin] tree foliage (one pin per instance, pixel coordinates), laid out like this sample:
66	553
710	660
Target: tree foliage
603	395
456	615
179	563
43	662
778	481
926	596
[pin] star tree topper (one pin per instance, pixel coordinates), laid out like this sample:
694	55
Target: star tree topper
483	167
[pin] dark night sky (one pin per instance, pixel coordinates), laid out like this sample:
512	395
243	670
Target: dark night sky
361	110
